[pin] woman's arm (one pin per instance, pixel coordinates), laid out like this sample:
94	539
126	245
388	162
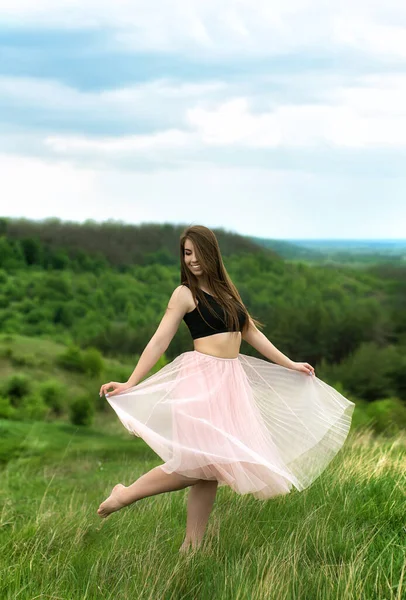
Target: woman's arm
178	305
261	343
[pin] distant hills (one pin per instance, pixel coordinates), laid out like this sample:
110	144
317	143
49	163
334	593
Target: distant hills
341	251
122	244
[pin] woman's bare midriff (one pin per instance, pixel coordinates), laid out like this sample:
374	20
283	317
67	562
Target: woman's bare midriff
221	345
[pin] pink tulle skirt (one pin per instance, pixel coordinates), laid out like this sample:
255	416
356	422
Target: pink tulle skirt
255	426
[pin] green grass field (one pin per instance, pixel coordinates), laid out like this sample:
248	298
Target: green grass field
344	537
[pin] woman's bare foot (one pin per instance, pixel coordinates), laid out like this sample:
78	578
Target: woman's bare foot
189	545
115	501
184	547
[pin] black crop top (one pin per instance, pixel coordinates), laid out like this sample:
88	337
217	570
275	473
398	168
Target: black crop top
197	326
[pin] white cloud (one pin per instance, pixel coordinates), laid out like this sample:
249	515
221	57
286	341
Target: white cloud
147	97
372	38
231	27
210	123
364	116
41	185
232	123
137	143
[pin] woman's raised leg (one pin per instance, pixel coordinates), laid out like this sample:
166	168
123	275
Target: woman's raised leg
154	482
200	503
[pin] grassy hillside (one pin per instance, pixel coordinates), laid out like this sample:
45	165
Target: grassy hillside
340	538
35	363
37	358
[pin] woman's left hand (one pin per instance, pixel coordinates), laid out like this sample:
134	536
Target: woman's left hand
304	367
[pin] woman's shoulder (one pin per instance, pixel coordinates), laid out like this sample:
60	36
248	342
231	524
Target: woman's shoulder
182	290
182	298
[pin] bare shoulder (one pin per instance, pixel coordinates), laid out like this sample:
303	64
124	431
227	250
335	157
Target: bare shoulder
181	298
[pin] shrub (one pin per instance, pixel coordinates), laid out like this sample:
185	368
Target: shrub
6	410
53	392
93	362
7	352
32	408
397	370
119	372
38	315
360	417
366	372
16	387
24	360
388	415
71	359
81	411
63	314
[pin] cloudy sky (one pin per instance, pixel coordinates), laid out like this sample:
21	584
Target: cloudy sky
282	119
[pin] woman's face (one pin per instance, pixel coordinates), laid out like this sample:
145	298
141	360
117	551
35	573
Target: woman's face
190	259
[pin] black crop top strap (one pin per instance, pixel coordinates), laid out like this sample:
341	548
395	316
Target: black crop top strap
211	324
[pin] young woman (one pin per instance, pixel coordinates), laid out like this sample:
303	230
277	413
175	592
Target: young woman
218	417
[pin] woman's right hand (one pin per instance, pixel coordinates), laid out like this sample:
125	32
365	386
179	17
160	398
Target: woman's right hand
117	388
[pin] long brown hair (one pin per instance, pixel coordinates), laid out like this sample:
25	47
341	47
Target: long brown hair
209	257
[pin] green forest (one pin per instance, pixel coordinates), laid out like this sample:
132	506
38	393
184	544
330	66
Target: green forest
79	302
